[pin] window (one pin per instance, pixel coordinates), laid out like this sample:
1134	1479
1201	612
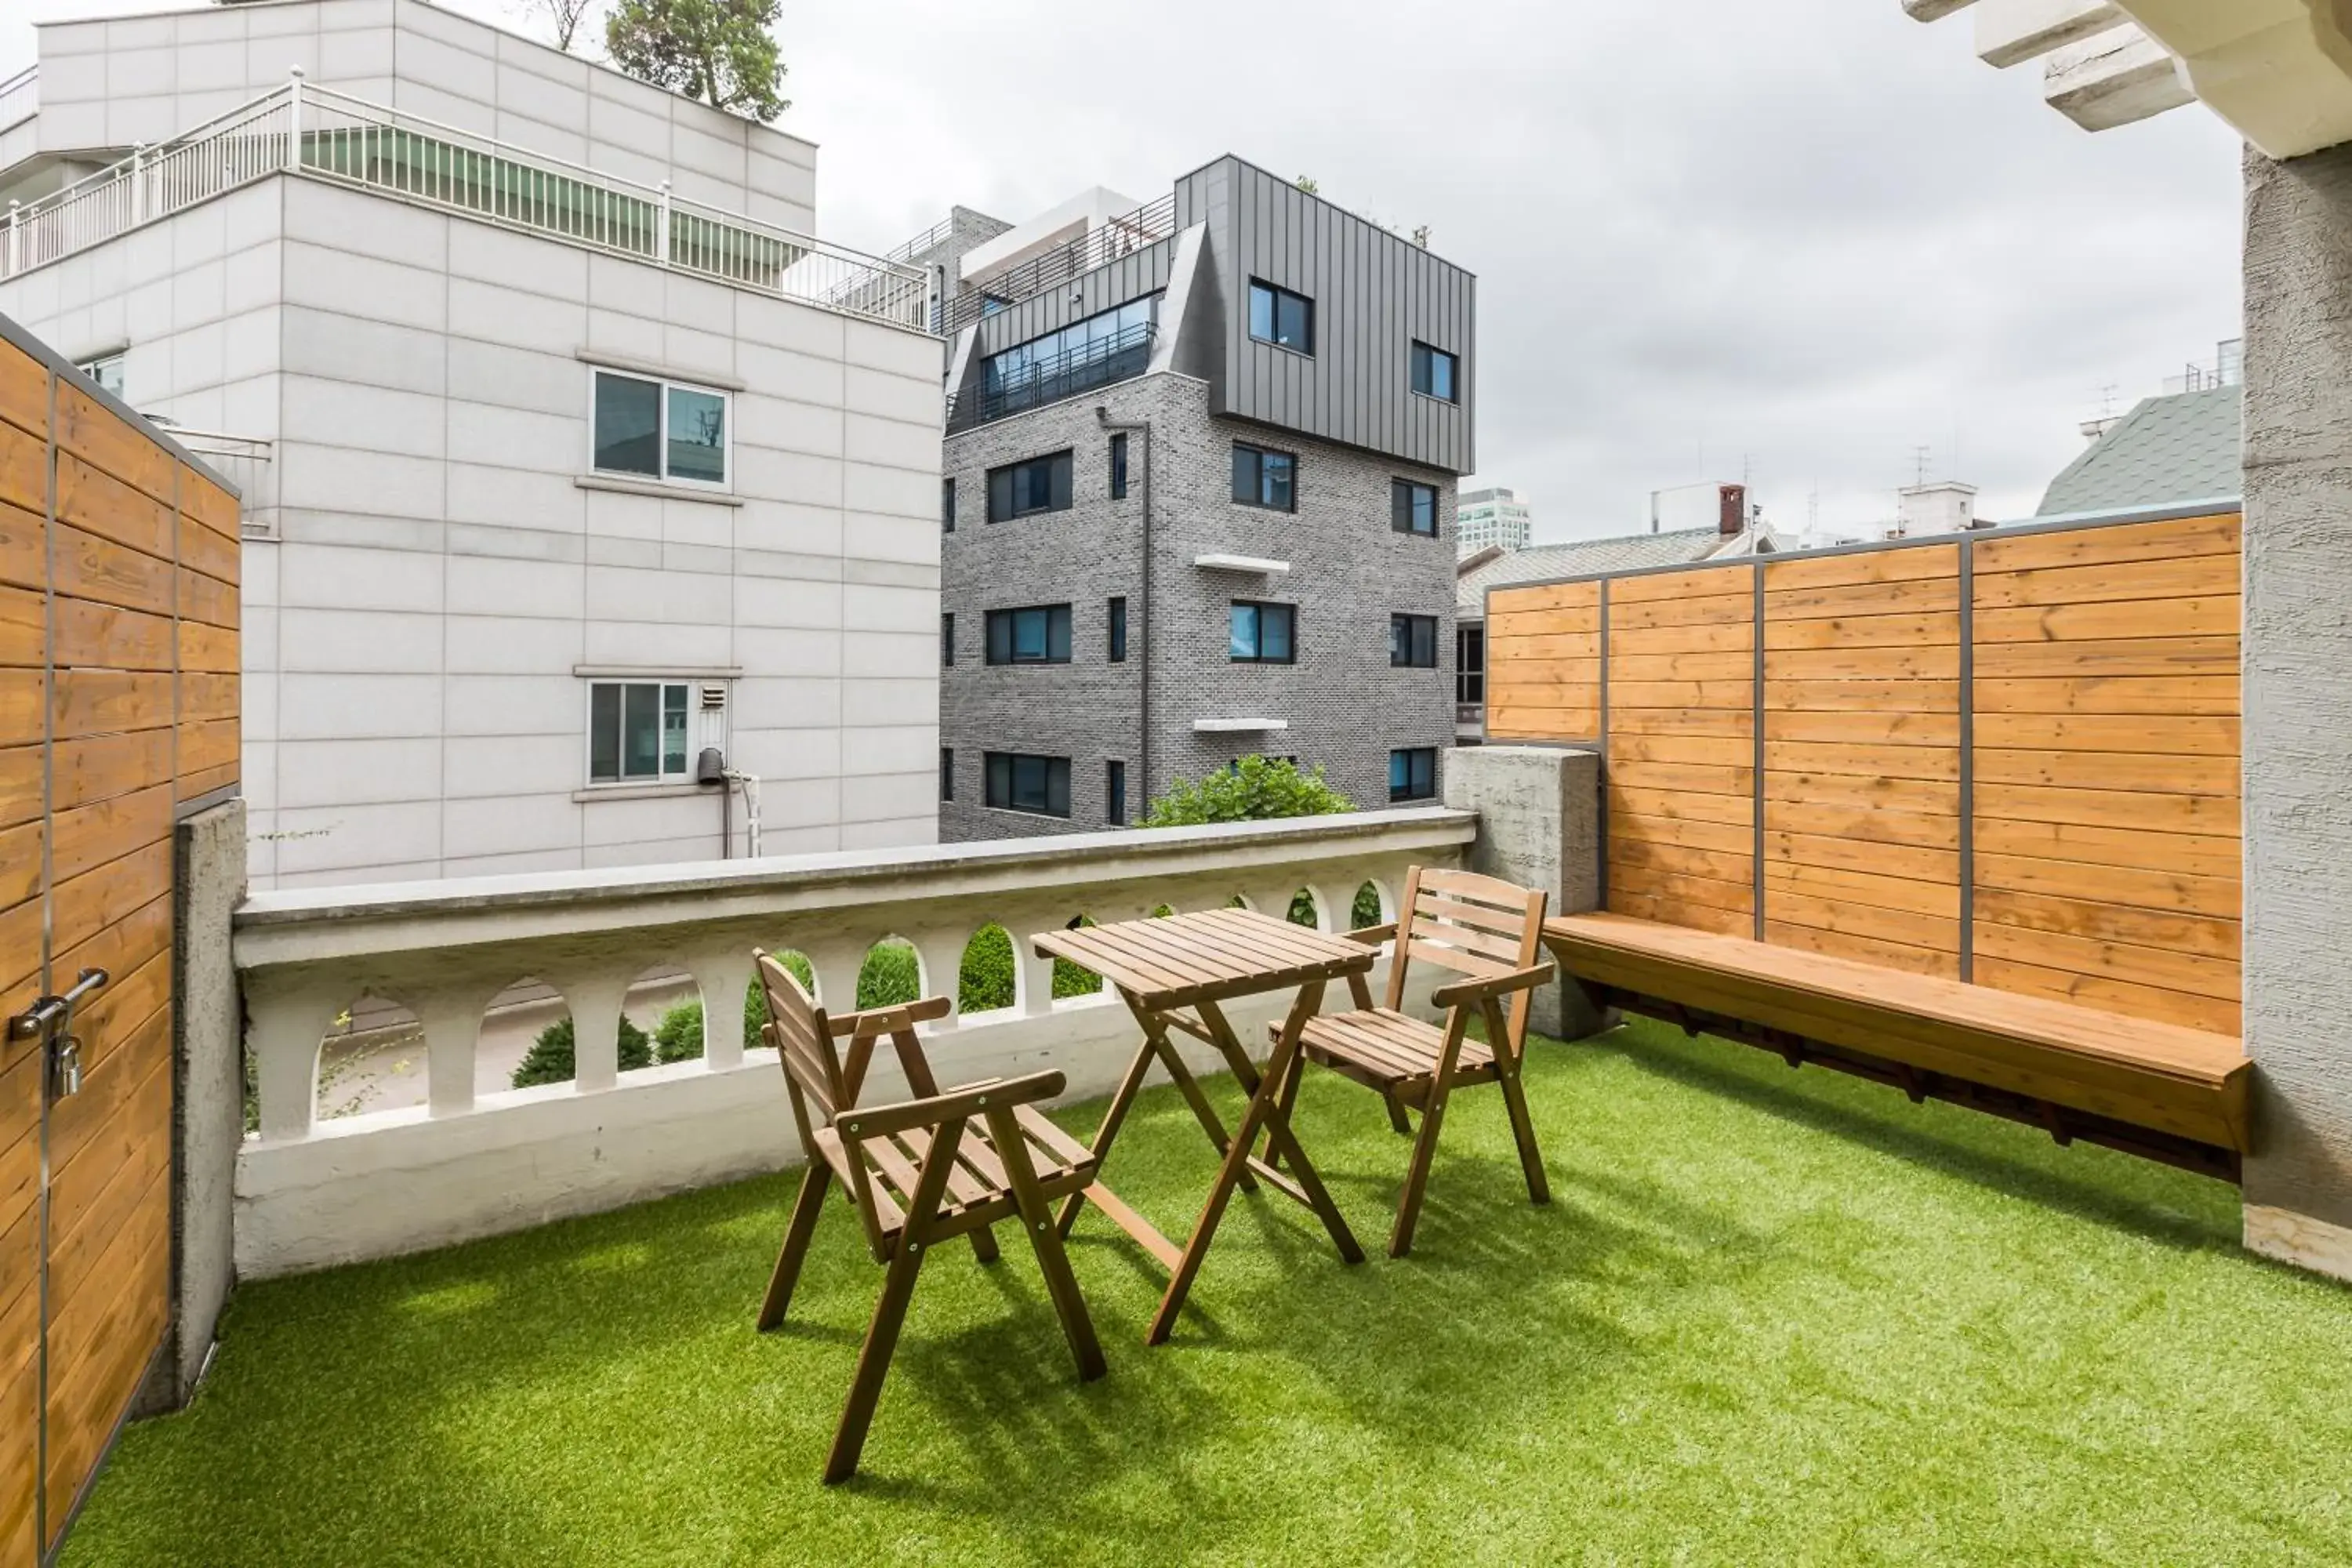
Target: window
1023	488
1413	642
106	371
636	732
1040	635
1262	634
1019	783
1115	794
1118	467
1281	318
1265	479
1108	346
947	639
659	429
1470	665
1412	508
947	772
1412	774
1118	619
947	506
1435	374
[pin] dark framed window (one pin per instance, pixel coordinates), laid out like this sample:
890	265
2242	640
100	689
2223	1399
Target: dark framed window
1412	508
1437	373
1116	622
1110	345
1470	665
1412	774
659	429
947	506
947	639
1017	782
947	772
1265	478
1118	467
636	732
1281	318
1263	632
1031	485
1039	634
1115	794
1413	642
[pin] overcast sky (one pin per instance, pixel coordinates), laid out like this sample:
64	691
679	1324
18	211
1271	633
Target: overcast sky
1796	240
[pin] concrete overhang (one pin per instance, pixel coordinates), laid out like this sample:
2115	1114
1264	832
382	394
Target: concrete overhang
1258	565
1237	726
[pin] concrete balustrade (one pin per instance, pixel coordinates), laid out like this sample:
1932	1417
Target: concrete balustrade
313	1191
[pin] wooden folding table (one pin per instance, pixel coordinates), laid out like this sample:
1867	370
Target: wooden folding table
1174	972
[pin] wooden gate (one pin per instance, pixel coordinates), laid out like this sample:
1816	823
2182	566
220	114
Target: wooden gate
118	712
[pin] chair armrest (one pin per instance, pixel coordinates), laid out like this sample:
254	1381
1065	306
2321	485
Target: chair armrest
973	1100
883	1020
1372	936
1463	991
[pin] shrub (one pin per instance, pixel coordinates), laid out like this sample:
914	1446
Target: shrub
552	1057
986	979
1367	909
1255	789
678	1037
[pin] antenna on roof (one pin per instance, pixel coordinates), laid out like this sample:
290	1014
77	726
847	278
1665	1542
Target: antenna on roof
1919	456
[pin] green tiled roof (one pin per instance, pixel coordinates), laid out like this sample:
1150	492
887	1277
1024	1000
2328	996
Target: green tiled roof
2183	448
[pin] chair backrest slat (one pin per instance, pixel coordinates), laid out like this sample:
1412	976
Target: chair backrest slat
1475	926
804	1039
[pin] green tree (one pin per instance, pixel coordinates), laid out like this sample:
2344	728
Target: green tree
1256	789
718	51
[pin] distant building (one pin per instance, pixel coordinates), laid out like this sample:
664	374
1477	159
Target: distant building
2177	449
1497	517
1494	567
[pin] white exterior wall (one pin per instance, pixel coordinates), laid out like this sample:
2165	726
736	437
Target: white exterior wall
114	83
429	576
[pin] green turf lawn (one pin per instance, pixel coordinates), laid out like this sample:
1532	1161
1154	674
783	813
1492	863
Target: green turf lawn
1769	1317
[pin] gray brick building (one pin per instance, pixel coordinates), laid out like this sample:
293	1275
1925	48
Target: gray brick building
1200	473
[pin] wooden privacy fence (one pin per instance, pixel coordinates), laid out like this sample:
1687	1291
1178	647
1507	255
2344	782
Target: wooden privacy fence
2009	757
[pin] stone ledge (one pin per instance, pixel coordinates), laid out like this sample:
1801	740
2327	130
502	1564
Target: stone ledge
2301	1240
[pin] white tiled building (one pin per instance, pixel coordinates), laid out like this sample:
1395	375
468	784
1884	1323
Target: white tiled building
468	544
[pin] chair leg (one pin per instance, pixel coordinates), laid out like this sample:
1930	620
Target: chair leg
1416	1177
874	1361
1523	1131
1062	1287
797	1231
1397	1121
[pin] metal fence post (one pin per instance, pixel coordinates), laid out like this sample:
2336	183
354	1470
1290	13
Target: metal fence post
294	122
139	184
15	249
661	231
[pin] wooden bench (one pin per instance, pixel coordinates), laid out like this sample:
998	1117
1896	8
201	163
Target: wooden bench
2150	1088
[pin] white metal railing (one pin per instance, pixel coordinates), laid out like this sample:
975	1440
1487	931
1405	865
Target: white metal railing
303	130
20	96
315	1190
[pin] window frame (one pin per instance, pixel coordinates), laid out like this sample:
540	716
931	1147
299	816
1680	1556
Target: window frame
90	370
995	800
1425	353
1115	792
1262	453
1404	501
1115	629
1413	626
661	686
1008	617
947	775
1409	792
663	385
1290	620
1470	664
1067	477
1276	294
1119	465
947	506
946	640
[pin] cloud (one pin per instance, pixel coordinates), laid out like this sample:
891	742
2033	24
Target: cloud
1798	240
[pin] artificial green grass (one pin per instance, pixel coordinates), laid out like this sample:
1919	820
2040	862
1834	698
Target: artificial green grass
1768	1317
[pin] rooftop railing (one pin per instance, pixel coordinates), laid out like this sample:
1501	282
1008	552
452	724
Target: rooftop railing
1119	357
1145	226
314	1190
307	130
20	96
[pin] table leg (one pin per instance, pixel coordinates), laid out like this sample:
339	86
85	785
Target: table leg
1190	1088
1108	1131
1263	1110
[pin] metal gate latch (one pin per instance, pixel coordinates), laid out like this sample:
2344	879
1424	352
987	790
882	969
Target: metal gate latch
50	1020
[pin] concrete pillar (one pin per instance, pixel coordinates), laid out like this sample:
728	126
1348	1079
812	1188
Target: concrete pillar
1539	825
209	1071
595	999
723	976
2298	705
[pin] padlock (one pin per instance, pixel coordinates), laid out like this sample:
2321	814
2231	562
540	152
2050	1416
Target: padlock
65	1066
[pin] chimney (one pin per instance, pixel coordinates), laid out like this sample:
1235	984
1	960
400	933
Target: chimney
1731	511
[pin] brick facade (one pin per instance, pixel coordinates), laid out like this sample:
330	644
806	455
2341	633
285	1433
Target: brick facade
1346	707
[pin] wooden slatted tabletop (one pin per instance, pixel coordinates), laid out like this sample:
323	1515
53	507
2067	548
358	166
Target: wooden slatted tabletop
1173	971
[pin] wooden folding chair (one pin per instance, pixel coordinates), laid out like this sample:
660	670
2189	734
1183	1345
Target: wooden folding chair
919	1171
1490	932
